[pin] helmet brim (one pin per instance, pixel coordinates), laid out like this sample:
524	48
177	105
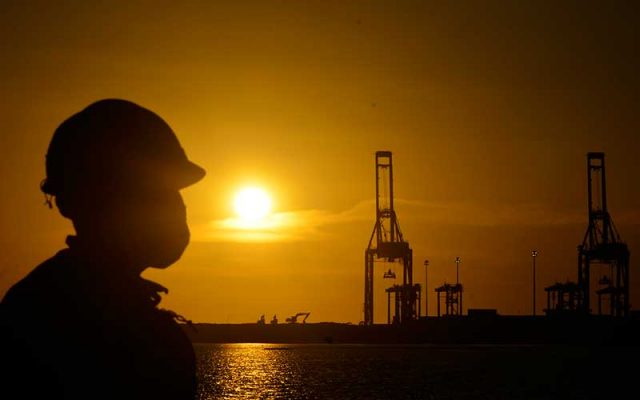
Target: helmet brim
191	173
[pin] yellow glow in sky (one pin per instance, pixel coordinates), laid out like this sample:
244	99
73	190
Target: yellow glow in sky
252	205
488	116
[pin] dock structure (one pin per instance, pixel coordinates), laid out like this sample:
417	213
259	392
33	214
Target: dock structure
603	260
602	247
562	297
400	291
387	244
452	294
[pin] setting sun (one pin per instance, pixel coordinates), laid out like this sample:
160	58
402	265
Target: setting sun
252	204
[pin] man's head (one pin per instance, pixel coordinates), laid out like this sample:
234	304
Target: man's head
115	169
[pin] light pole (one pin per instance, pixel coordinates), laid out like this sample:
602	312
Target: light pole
457	267
534	254
426	290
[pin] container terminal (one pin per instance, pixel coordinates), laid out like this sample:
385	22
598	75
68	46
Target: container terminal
570	317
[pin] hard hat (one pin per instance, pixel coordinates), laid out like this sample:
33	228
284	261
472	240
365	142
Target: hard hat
116	143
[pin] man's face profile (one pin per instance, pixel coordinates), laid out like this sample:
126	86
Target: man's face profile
154	227
116	170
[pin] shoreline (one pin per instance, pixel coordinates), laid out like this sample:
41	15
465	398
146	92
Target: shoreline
494	330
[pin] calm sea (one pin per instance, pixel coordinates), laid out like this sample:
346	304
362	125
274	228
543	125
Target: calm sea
269	371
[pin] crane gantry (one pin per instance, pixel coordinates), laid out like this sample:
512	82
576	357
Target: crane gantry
390	246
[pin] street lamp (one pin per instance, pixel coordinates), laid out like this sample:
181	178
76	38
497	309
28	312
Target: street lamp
426	290
457	267
534	254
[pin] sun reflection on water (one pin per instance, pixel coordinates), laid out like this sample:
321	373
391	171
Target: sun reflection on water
250	371
371	372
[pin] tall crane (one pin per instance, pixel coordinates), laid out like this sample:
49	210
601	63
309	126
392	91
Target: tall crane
387	243
602	245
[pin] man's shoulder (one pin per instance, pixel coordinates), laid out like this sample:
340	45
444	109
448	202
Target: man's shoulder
41	281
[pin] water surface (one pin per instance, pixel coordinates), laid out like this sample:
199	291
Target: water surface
269	371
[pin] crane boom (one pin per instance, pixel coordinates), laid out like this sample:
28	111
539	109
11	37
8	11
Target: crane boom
294	319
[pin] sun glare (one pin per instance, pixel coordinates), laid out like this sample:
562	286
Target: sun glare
252	204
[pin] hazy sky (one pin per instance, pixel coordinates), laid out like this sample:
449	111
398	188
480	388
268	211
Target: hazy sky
488	107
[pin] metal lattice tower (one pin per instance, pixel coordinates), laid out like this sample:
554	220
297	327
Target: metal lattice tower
602	245
389	245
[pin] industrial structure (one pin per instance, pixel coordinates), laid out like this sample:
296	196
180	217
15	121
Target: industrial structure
452	295
291	320
602	257
387	244
294	318
562	297
601	247
399	291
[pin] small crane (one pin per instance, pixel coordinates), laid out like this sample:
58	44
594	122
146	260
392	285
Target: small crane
294	319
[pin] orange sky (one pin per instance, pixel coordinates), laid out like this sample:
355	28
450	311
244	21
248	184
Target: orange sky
488	107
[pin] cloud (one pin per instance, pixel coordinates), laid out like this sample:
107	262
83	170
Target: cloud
282	226
527	214
277	227
472	214
314	224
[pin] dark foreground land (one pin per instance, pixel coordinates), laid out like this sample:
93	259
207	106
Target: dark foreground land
587	330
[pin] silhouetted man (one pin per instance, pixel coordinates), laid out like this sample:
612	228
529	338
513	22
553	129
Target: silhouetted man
84	324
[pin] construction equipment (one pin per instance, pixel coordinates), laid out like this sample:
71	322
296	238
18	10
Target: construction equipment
602	245
562	298
452	294
389	246
294	319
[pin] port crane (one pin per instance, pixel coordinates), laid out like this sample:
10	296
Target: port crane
602	245
387	244
294	319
